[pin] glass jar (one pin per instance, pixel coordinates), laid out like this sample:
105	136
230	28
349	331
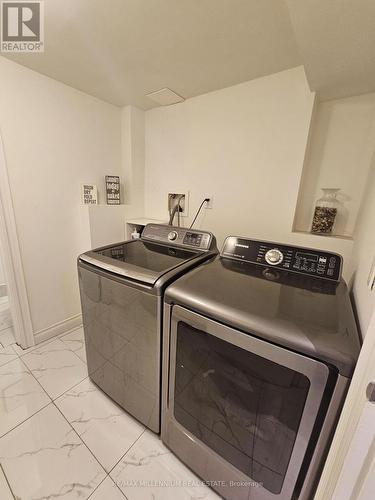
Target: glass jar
325	212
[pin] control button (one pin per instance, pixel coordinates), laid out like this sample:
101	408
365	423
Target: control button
274	257
330	272
172	235
332	262
271	274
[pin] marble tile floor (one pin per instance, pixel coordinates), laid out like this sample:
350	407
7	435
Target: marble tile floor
61	437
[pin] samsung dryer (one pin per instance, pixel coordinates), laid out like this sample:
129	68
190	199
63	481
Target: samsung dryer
260	344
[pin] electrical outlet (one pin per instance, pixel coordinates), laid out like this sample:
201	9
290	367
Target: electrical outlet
209	204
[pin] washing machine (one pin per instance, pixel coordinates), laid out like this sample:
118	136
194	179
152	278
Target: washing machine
260	344
122	288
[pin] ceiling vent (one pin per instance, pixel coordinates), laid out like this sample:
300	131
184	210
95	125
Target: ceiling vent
165	97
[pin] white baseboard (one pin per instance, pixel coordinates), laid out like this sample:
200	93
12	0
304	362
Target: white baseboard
58	329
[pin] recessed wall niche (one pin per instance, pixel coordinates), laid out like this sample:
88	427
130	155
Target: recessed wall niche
340	155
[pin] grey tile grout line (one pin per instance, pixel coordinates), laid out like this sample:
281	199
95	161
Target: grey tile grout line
40	409
29	370
19	356
130	447
92	453
52	401
86	445
26	419
63	394
116	464
79	437
11	360
70	388
122	456
6	328
43	389
116	486
74	352
96	487
108	476
28	350
90	450
45	342
7	481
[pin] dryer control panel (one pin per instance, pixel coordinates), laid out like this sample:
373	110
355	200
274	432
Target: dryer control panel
307	261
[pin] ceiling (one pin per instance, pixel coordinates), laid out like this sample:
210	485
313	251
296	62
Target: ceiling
336	39
121	50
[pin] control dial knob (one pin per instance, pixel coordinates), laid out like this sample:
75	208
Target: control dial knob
274	257
172	235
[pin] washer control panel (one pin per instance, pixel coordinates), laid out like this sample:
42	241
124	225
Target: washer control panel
179	236
307	261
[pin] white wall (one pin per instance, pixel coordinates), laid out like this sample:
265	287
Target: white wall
133	158
2	274
364	256
102	225
55	139
340	154
245	146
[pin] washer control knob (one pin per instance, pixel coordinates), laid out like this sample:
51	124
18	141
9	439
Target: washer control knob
274	257
271	274
172	235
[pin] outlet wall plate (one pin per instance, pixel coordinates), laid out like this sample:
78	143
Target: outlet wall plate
209	204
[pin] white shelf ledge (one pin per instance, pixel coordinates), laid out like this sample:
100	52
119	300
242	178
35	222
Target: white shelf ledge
326	236
143	221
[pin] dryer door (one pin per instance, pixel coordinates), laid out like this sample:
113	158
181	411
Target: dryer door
239	409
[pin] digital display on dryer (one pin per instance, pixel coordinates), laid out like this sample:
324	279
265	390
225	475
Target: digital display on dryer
306	262
307	256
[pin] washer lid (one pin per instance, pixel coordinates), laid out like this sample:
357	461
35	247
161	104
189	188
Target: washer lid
139	260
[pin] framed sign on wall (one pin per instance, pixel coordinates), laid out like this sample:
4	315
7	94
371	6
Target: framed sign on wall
112	186
89	194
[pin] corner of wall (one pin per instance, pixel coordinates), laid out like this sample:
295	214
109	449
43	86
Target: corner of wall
133	159
364	256
303	175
